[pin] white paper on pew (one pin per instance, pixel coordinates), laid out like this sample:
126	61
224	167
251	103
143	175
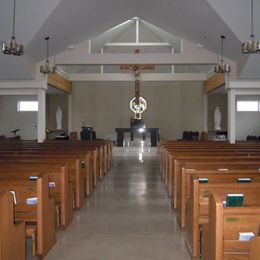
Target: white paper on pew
31	201
14	196
52	184
246	236
222	169
244	179
203	179
235	195
33	178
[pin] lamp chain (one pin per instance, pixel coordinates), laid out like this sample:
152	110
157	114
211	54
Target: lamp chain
252	18
14	19
222	46
222	49
47	49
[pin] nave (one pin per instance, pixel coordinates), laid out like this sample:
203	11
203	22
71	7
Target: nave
129	217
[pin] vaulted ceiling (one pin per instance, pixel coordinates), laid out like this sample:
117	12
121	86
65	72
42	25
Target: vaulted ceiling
71	22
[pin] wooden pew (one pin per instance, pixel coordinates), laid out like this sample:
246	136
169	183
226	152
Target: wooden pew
12	234
58	175
222	162
197	147
198	210
221	234
60	148
74	168
255	249
38	218
216	176
104	148
56	154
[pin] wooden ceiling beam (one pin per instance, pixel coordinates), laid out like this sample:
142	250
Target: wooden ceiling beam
58	81
214	82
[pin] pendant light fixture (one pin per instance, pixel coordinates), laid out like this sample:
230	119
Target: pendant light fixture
12	47
251	46
221	67
46	68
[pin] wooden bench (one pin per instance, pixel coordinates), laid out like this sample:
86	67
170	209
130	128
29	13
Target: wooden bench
12	233
198	210
216	175
254	249
40	217
221	234
171	148
58	177
76	175
224	162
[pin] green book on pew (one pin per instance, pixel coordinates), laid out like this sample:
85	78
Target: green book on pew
203	180
235	200
244	180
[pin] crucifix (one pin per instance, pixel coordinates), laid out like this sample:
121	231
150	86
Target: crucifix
138	104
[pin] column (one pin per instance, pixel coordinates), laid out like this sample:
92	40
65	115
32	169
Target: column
231	116
70	112
205	112
41	135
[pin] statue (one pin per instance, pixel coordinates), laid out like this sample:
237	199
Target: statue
59	118
217	118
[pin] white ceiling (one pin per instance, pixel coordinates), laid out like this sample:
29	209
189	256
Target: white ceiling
71	22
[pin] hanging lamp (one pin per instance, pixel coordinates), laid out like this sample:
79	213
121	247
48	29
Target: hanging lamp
12	47
47	68
221	67
251	46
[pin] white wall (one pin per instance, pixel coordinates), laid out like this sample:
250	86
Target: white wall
10	119
247	123
191	106
173	107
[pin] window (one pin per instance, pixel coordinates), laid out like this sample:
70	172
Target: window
248	106
25	106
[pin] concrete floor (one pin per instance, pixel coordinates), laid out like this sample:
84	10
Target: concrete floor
128	218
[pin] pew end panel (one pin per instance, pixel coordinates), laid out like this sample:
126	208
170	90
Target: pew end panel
221	235
255	248
46	227
12	234
212	243
66	199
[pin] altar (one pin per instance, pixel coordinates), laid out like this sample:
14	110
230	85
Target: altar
143	131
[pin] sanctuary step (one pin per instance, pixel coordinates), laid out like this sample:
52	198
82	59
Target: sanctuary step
135	151
137	142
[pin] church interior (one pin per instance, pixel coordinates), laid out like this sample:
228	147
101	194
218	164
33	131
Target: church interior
130	130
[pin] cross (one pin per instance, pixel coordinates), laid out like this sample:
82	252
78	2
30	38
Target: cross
137	68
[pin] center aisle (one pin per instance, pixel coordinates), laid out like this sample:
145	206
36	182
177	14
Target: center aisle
129	217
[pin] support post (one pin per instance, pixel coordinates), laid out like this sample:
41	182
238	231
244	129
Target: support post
205	112
231	116
41	135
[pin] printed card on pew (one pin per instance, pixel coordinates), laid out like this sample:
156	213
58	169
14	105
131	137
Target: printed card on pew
31	201
235	200
244	180
33	178
52	184
246	236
